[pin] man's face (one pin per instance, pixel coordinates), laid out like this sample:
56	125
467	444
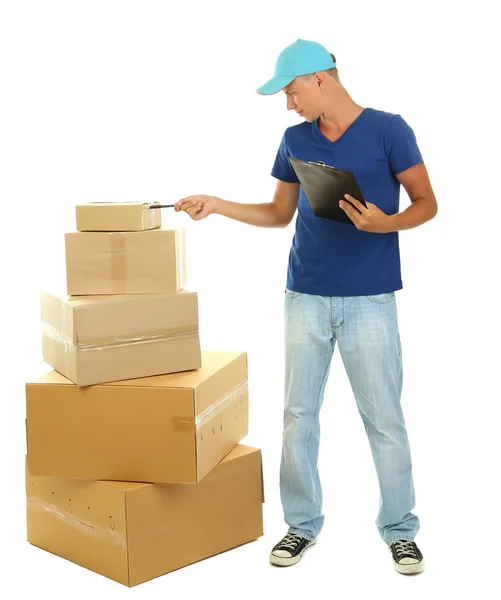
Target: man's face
303	98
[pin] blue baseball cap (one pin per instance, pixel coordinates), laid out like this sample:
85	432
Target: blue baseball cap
300	58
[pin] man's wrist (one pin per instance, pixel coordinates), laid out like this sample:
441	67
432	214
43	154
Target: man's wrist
392	223
216	204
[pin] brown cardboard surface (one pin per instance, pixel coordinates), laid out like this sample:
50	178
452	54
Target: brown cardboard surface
99	339
134	532
117	216
137	262
169	428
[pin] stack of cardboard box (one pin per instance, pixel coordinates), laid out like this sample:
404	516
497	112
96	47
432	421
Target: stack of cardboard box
134	466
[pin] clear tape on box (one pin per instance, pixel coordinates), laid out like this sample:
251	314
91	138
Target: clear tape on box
219	405
105	534
101	343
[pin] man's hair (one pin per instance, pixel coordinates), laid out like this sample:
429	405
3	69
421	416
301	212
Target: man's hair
331	72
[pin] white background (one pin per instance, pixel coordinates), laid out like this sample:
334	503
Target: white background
154	101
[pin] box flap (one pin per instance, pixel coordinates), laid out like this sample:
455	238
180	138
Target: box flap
102	299
212	362
135	318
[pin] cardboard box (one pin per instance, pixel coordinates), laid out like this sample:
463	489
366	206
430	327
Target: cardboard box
117	216
99	339
135	262
133	532
169	428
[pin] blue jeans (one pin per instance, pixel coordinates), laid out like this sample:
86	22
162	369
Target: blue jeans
366	330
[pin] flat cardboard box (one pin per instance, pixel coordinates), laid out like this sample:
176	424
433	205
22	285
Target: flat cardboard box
135	262
133	532
169	428
100	339
117	216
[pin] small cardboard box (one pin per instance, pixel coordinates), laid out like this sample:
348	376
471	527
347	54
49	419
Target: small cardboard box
169	428
133	532
100	339
117	216
135	262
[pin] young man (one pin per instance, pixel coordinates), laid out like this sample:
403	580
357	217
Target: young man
341	285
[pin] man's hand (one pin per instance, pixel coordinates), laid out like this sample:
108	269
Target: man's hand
371	219
198	207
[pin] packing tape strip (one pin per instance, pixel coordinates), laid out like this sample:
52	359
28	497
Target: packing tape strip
100	532
183	424
118	263
65	314
214	409
55	334
58	311
64	360
89	344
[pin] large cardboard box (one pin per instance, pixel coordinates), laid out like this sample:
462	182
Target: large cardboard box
133	532
117	216
169	428
100	339
135	262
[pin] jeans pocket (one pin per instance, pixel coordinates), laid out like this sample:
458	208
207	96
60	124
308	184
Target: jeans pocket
291	294
382	298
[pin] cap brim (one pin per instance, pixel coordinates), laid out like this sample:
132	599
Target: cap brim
274	85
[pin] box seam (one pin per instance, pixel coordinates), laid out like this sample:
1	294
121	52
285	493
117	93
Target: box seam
127	543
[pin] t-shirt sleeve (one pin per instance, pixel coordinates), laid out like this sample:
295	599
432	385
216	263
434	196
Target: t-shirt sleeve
401	146
282	168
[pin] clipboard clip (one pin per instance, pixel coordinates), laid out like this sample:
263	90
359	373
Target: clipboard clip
321	163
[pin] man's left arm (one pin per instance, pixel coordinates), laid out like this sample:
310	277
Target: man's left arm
423	202
423	205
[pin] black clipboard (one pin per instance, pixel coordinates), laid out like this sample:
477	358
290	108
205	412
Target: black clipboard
324	186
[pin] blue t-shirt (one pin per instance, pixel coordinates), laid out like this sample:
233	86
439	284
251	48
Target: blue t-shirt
329	258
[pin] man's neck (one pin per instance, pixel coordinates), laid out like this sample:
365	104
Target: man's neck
342	114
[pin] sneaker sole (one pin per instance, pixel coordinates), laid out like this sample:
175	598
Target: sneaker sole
409	569
281	561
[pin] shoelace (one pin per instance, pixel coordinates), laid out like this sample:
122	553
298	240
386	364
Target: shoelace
290	541
405	548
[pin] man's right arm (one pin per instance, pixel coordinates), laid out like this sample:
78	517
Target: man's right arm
278	213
